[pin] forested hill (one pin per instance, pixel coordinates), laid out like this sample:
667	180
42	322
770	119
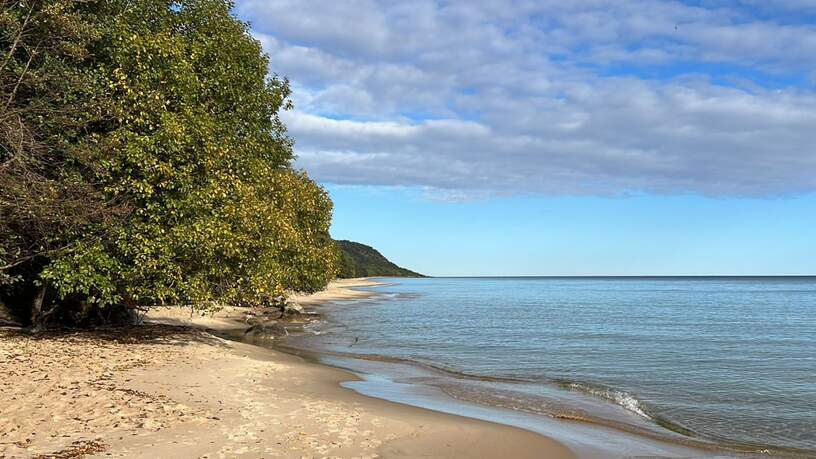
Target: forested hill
360	260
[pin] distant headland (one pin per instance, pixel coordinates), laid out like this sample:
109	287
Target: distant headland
360	260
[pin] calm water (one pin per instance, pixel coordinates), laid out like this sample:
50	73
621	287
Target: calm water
726	360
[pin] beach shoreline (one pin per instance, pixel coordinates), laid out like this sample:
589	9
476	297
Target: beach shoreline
173	389
432	333
591	425
416	384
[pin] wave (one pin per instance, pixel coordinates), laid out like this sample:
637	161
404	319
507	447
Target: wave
673	432
621	398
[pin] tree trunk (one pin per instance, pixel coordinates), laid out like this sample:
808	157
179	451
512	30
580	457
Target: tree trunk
7	316
36	308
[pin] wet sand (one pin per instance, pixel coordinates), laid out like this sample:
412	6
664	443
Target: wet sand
172	389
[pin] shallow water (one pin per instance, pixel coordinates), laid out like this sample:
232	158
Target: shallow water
730	361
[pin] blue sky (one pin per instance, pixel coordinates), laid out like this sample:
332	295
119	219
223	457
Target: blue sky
645	235
558	138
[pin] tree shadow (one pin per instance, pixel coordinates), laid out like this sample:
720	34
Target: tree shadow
148	333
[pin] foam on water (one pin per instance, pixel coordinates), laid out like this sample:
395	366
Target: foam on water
620	398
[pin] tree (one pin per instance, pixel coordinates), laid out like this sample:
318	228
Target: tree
49	95
166	130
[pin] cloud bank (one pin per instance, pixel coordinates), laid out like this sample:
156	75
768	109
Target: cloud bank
550	97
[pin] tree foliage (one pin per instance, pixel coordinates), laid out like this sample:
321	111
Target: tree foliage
47	99
360	260
144	162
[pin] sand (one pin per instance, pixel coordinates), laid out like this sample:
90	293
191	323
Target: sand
171	389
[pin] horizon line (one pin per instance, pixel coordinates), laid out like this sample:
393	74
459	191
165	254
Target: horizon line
536	276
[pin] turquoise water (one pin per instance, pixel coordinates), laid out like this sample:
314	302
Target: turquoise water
730	361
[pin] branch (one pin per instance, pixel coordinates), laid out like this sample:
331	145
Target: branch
17	38
22	75
32	256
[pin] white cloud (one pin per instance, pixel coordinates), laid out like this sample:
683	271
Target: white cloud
585	97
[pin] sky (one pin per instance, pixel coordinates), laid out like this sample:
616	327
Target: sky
625	137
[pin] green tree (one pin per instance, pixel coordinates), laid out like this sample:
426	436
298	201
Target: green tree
188	192
50	95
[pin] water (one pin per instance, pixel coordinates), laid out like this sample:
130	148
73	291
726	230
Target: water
730	361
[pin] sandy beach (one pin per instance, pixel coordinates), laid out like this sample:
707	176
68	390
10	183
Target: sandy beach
172	389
